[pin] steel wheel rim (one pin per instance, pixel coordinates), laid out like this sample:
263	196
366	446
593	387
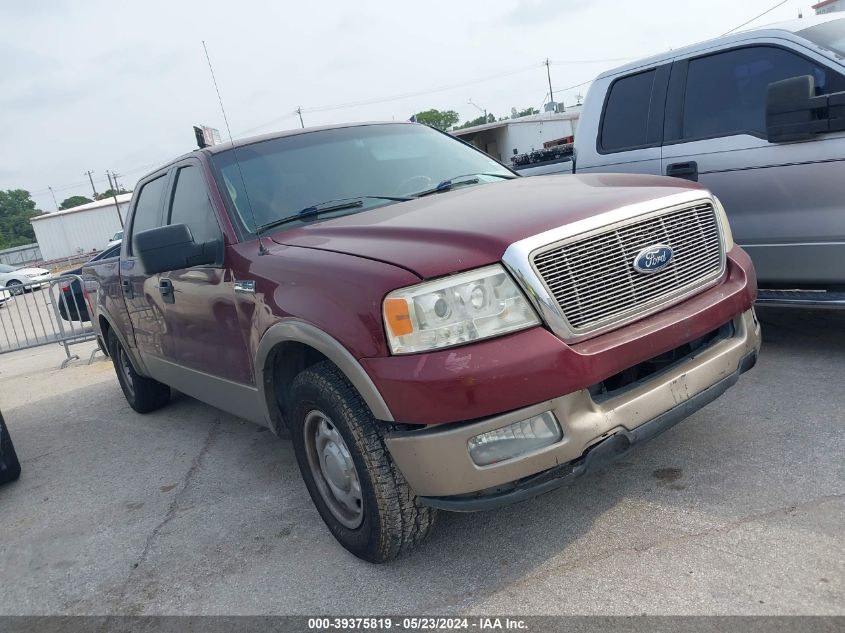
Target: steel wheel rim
15	288
333	470
126	371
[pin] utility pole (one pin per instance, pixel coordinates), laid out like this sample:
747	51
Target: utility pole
88	173
114	175
54	197
299	112
549	75
113	188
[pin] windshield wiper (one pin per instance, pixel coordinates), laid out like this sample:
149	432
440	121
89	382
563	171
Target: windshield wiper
456	181
326	207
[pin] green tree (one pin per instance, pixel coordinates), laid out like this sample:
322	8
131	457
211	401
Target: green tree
490	118
16	209
528	112
442	120
74	201
108	193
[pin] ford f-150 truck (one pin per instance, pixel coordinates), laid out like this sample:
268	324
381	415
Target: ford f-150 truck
431	330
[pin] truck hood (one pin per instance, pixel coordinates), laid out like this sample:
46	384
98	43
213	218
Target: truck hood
473	226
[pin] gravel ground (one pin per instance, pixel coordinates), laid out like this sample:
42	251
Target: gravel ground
739	510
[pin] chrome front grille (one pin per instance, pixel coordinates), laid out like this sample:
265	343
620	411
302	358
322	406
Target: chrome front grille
593	280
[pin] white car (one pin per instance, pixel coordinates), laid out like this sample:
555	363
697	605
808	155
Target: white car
10	277
115	239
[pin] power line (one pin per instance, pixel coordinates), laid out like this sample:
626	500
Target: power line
352	104
769	10
427	91
610	60
388	99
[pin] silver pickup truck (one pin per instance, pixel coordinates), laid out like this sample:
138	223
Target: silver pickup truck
758	117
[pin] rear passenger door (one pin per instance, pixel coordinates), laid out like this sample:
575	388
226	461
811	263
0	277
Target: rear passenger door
783	199
630	130
203	329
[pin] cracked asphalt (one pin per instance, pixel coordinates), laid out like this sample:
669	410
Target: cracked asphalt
738	510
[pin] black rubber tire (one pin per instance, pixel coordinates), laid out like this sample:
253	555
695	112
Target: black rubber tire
10	286
145	394
10	467
394	521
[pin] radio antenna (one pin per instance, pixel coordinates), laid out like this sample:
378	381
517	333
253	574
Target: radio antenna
261	249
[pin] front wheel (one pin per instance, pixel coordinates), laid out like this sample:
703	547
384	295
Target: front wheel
15	287
10	467
143	394
360	494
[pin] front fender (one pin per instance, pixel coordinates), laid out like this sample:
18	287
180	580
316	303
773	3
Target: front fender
299	331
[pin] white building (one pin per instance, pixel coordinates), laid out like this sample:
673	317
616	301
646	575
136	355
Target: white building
829	6
504	139
81	229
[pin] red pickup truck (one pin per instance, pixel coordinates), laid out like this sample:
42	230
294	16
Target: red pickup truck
431	330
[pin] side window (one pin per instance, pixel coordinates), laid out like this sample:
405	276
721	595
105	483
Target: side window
625	123
726	92
191	206
148	207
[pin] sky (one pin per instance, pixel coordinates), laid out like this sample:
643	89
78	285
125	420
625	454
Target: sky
118	85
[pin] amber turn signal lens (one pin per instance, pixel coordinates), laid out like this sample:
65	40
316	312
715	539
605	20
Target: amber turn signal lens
397	316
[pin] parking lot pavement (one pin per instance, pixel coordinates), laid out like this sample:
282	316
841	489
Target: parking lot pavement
740	509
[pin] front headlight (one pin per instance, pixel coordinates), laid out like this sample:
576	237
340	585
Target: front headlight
467	307
726	226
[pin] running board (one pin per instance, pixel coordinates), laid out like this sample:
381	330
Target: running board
801	298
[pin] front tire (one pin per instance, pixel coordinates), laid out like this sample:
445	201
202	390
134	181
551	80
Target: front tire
15	287
358	490
10	467
143	394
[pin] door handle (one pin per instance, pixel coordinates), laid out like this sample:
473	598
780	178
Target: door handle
165	287
687	170
127	288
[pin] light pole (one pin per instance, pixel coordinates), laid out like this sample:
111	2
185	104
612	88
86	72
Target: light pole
479	108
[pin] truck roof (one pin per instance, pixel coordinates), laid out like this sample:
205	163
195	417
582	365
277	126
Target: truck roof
778	29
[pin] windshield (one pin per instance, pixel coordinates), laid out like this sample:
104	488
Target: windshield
7	269
111	251
283	176
829	35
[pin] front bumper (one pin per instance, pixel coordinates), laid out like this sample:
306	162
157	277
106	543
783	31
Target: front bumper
437	464
38	282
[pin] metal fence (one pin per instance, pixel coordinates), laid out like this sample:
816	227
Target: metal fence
43	313
20	255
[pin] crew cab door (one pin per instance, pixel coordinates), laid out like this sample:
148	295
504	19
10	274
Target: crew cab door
203	335
630	127
784	200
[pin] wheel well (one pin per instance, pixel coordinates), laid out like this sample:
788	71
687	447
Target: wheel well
104	331
284	363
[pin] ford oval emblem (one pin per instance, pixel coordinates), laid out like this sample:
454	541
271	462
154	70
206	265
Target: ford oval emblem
653	258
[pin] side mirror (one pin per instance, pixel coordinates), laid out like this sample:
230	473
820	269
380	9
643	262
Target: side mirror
172	247
793	111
